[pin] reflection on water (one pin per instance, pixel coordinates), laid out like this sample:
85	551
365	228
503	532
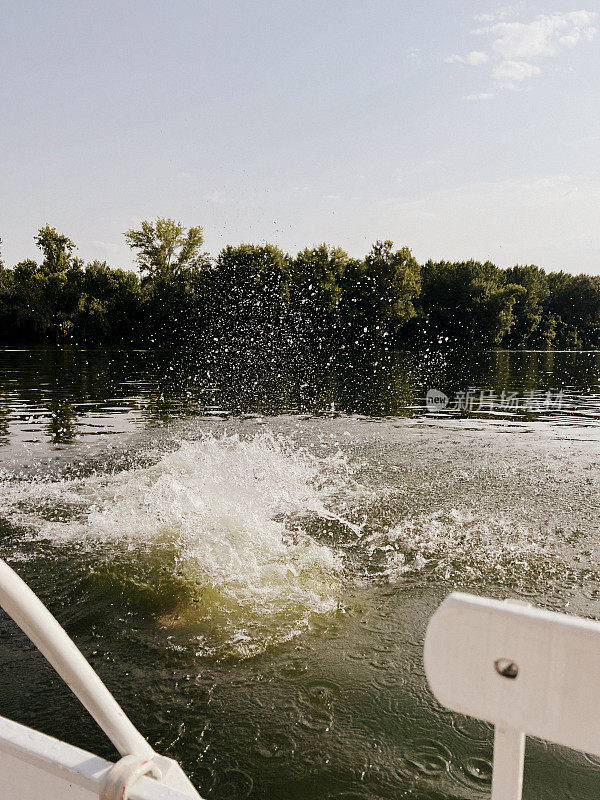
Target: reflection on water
58	395
260	550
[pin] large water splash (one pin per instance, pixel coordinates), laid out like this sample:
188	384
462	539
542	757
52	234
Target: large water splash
243	541
228	520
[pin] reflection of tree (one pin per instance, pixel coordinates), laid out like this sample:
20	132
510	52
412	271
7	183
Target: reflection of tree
54	383
67	385
55	390
4	424
528	373
376	383
268	381
61	427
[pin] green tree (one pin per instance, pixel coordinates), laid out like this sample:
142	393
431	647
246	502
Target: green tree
46	295
252	267
32	311
466	303
531	325
317	278
317	275
57	250
574	302
249	290
380	292
173	265
165	248
8	322
109	305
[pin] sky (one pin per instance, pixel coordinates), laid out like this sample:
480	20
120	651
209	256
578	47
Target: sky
462	129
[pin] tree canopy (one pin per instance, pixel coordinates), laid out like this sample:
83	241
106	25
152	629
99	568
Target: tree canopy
165	248
57	250
255	293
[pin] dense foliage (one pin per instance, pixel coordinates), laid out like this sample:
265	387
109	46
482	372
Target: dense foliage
257	294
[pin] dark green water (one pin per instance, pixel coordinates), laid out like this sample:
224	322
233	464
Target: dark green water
249	556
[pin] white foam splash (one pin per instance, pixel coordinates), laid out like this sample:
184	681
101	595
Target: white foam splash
462	545
239	523
230	508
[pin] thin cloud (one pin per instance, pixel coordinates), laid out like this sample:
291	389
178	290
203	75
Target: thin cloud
541	192
545	36
494	16
514	71
218	198
474	58
107	247
583	141
516	47
561	209
481	96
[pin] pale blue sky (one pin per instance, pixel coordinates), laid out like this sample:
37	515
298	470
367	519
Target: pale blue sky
459	128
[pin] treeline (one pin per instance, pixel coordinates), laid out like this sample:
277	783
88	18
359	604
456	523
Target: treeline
255	293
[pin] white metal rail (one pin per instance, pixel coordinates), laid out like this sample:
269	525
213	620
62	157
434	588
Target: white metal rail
34	619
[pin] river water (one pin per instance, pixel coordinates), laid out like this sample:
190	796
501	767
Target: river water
249	557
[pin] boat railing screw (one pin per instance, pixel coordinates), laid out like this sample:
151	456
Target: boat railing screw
506	668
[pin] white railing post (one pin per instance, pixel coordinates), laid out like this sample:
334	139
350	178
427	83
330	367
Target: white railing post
525	670
509	754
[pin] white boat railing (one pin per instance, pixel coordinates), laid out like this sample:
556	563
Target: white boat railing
527	671
34	619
